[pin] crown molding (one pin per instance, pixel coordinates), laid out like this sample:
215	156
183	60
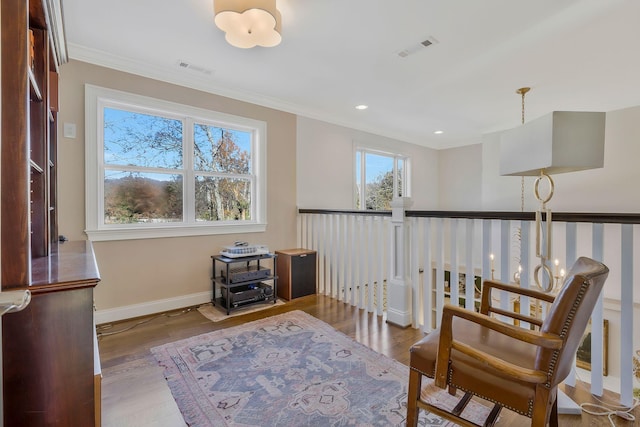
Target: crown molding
53	17
193	81
173	76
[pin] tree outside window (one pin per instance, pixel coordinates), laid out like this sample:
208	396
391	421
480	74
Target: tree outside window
223	174
144	173
379	178
143	177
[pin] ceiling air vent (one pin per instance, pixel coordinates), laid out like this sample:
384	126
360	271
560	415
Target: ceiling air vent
426	43
417	47
188	66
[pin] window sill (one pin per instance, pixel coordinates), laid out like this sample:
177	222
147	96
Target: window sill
124	233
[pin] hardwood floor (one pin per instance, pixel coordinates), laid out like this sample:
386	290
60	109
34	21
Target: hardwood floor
134	392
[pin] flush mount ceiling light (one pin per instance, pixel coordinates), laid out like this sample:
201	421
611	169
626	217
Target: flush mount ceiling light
361	107
249	23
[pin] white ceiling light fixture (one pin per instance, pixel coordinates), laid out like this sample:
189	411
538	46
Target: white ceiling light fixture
438	132
361	107
249	23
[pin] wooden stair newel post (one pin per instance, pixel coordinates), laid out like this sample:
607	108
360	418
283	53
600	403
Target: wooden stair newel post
399	285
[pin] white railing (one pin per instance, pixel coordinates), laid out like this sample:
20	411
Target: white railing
353	254
355	259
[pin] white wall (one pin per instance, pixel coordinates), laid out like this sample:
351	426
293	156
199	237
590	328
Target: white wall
459	178
152	275
613	188
325	165
502	193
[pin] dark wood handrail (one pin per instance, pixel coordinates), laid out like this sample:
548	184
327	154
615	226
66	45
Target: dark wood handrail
343	212
592	217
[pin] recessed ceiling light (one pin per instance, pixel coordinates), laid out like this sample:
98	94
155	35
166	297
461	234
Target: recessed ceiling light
439	132
361	107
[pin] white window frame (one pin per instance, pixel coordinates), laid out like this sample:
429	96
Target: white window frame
406	174
97	98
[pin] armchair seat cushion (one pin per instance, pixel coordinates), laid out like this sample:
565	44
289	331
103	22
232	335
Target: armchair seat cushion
469	374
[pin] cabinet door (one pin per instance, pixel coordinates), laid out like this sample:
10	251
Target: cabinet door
48	361
303	275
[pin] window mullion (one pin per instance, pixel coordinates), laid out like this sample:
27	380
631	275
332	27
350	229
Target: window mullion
253	184
363	182
95	214
395	176
189	200
406	173
142	169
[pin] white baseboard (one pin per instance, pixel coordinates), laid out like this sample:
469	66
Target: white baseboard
144	309
566	406
399	318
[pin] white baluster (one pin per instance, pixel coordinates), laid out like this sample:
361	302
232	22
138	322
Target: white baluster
626	315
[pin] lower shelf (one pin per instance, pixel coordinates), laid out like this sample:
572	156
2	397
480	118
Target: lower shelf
240	296
222	303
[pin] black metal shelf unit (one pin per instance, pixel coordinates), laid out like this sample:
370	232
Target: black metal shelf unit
244	280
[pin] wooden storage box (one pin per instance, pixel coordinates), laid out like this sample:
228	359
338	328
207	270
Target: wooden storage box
296	273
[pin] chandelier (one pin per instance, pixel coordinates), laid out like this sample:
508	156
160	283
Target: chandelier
560	142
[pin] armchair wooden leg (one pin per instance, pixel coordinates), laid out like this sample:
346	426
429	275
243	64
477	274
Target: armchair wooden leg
541	411
452	390
553	418
415	384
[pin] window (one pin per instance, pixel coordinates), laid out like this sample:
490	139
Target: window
379	178
160	169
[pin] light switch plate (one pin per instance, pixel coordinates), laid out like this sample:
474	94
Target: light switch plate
69	130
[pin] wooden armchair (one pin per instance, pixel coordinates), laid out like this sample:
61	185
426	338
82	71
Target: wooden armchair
511	366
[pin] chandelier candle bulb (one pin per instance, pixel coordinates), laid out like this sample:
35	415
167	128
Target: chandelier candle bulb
517	274
491	258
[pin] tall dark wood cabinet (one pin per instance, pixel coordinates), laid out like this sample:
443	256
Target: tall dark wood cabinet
48	348
296	273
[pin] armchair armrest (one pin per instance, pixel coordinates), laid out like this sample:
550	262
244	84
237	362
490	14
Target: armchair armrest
448	342
532	293
486	307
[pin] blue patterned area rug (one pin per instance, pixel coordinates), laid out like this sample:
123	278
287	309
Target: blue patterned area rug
290	370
